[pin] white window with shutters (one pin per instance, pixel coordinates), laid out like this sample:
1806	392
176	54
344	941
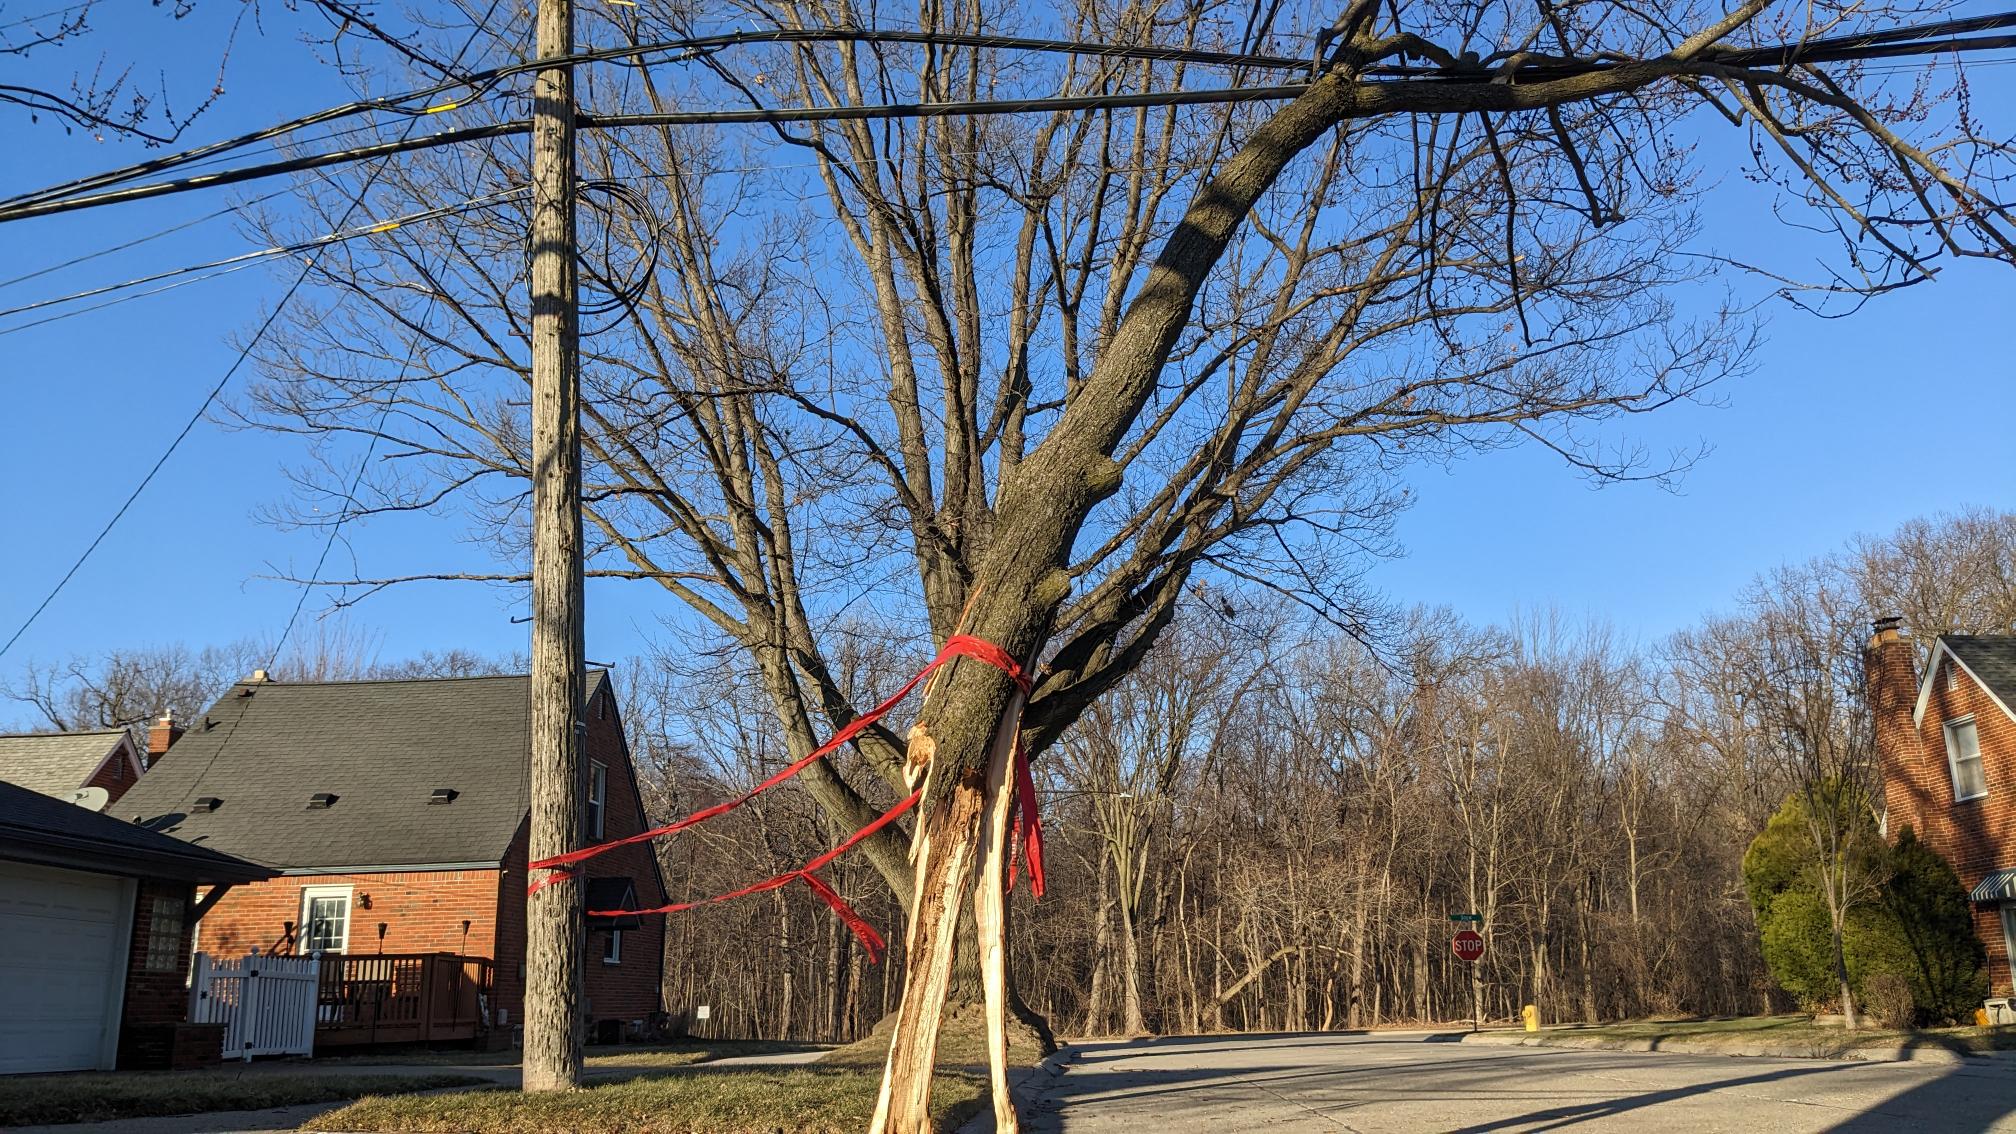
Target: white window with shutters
1963	757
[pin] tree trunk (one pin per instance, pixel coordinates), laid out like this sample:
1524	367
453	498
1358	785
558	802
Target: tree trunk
1848	1019
1132	1022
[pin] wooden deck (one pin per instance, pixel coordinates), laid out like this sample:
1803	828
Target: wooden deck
390	998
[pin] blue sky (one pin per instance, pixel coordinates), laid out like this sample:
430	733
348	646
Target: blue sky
1843	427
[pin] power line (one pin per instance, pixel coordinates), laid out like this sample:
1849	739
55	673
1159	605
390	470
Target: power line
137	241
1837	50
482	81
148	479
209	399
246	259
1858	45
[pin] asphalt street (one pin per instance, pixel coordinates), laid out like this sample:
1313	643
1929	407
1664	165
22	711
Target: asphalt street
1401	1083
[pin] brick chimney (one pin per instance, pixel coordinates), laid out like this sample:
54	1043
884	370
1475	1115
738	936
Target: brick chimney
1909	778
161	735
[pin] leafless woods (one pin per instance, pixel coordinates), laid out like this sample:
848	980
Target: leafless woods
1267	830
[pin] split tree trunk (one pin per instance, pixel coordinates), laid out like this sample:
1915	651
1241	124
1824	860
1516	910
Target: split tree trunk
1021	580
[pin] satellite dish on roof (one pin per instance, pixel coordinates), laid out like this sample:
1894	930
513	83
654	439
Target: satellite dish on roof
91	798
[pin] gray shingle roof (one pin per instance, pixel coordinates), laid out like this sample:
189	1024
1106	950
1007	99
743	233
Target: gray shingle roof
37	828
379	746
1992	659
55	763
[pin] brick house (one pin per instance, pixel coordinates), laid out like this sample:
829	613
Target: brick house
1946	744
62	764
96	917
396	816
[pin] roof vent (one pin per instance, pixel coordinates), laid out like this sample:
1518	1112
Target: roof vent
321	801
442	795
208	803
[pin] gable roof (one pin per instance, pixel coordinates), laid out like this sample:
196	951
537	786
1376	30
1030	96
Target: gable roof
1989	659
37	828
58	763
380	747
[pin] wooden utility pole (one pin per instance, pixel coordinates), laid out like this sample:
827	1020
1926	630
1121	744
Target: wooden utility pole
553	926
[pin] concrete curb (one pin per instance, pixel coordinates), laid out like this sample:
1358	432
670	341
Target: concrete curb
1682	1045
1023	1082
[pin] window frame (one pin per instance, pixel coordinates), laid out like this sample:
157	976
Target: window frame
1953	761
2009	931
309	894
612	947
596	800
173	960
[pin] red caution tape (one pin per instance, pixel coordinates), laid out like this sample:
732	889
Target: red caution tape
1027	825
870	940
1028	828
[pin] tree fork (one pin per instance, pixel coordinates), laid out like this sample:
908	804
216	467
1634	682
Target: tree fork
553	938
1040	512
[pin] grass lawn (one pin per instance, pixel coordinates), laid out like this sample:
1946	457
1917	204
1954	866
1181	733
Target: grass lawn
95	1096
640	1055
1796	1035
798	1100
962	1043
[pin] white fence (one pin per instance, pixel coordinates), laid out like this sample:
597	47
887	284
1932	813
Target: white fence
267	1004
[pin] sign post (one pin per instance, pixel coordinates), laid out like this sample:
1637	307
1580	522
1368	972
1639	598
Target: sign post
1468	945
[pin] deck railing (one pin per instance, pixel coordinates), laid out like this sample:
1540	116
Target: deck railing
388	998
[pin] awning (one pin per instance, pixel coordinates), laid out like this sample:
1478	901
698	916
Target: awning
1999	886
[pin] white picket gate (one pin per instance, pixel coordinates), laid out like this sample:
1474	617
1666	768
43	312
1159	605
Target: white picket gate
267	1004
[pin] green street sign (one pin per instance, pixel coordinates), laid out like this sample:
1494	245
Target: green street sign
1479	918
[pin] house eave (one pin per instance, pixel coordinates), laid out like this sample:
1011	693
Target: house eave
387	868
49	849
1939	649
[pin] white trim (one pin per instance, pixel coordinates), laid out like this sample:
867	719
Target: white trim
612	948
1939	650
2009	937
392	868
310	893
598	803
133	763
115	988
1953	766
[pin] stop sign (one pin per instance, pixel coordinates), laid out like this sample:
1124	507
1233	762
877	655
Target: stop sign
1469	945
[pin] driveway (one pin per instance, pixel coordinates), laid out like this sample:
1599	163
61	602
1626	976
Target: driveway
1397	1082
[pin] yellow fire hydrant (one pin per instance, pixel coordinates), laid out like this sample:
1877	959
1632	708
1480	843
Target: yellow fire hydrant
1531	1015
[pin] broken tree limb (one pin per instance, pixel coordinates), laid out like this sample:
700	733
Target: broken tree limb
990	905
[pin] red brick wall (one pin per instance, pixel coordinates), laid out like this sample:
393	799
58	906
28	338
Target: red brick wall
116	776
508	986
157	997
630	990
422	911
1976	836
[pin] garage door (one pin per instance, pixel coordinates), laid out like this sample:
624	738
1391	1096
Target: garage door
62	956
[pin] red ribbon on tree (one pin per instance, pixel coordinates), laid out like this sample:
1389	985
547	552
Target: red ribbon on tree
1028	826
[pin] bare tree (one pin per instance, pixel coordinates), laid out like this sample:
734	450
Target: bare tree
1807	699
131	688
1032	378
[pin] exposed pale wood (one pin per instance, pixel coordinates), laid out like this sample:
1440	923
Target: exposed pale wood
903	1105
553	937
990	908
